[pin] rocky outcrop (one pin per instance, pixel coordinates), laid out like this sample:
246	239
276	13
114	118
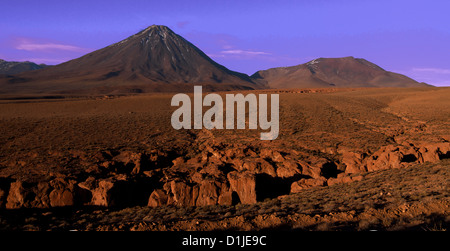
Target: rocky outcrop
244	185
217	175
307	183
394	156
433	152
55	193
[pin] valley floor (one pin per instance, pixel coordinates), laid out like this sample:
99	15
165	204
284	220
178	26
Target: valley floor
345	159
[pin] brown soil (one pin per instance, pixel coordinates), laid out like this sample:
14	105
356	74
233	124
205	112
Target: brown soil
345	159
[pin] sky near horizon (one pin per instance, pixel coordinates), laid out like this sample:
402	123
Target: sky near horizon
411	37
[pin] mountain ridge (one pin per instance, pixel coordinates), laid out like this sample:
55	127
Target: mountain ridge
16	67
333	72
155	59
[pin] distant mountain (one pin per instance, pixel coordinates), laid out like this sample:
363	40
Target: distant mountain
333	72
11	67
153	60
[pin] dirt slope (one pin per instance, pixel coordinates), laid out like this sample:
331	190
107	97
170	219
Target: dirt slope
333	72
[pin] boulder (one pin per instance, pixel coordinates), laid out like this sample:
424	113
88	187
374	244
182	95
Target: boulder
314	171
226	198
288	169
107	192
273	155
244	184
131	162
28	195
157	198
182	193
267	168
354	162
433	152
178	161
208	193
392	157
256	166
307	183
63	193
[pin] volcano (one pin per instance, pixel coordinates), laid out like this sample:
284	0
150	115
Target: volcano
153	60
333	72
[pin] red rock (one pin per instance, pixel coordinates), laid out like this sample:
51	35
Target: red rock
237	163
354	162
433	152
195	161
277	157
157	198
16	196
233	153
207	193
129	158
265	153
178	161
310	170
225	198
103	190
307	183
63	193
287	169
271	154
28	195
392	157
256	166
251	153
250	165
267	168
100	194
212	170
214	153
55	193
183	194
429	154
244	184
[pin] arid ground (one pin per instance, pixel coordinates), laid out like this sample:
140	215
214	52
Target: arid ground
345	159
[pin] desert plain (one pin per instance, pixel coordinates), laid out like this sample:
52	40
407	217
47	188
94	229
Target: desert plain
345	159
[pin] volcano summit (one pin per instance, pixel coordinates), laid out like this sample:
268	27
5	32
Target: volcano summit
153	60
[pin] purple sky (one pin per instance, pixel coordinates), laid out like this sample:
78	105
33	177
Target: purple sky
411	37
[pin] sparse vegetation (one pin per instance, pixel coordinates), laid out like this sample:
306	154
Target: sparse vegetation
72	140
414	202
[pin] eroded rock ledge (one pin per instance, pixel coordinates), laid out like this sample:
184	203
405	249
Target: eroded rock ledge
219	174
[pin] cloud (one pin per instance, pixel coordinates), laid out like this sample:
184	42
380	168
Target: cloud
429	75
212	55
32	46
49	61
244	52
182	24
432	70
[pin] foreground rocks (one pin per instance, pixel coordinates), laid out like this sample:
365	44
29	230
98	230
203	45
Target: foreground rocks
418	195
218	174
395	156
